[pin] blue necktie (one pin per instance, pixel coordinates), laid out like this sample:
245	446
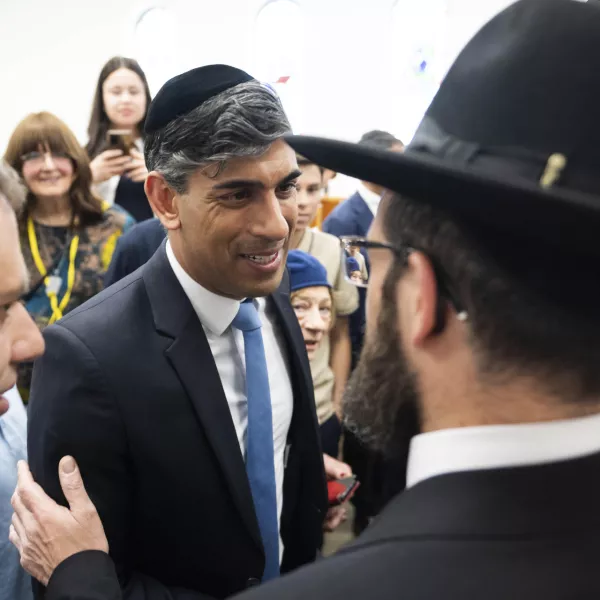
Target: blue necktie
260	461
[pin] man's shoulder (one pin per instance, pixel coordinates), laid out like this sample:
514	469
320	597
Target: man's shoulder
324	239
150	232
377	572
325	247
115	305
453	568
343	212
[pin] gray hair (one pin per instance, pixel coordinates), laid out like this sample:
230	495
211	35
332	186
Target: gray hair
241	121
11	188
379	139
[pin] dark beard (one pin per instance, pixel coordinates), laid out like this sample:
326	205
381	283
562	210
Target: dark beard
381	402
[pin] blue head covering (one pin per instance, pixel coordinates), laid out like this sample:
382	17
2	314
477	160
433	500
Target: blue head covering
305	271
352	264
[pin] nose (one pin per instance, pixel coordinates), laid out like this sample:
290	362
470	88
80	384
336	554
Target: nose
49	163
302	199
269	220
313	320
27	342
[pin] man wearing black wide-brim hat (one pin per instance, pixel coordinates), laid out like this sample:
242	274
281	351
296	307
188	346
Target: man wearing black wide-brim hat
483	328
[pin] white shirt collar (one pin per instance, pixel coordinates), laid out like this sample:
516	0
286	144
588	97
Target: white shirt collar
215	312
371	198
498	446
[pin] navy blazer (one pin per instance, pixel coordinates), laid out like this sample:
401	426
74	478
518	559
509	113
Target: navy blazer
135	249
351	217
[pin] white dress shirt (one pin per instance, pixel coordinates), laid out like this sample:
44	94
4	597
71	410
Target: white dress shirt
499	446
216	314
371	198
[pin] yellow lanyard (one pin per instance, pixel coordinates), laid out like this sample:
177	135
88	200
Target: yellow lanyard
57	309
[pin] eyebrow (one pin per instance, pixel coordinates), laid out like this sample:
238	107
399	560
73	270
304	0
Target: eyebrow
254	183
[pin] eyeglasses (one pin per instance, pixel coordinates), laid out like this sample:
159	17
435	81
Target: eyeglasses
38	159
356	266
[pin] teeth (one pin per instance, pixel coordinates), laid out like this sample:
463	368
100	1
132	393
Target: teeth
264	260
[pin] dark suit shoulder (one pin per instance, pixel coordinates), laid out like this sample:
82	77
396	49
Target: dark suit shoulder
151	233
134	249
108	302
452	569
108	321
342	220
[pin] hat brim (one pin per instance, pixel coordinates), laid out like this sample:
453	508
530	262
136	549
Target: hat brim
556	215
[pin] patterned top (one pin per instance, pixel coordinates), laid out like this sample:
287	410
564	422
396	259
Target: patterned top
94	253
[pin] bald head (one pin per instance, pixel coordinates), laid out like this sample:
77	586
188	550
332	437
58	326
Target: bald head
12	191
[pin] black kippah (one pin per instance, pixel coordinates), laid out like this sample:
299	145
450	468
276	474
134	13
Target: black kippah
185	92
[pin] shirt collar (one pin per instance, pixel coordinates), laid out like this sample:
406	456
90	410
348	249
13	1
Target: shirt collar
500	446
215	312
371	198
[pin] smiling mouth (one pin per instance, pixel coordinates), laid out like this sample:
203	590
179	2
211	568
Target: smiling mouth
262	259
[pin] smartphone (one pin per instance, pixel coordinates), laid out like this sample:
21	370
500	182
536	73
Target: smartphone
120	139
340	490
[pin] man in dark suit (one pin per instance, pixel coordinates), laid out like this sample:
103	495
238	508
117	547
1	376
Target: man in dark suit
135	249
147	386
354	217
483	328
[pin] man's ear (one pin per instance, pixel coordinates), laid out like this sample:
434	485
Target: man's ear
421	296
163	200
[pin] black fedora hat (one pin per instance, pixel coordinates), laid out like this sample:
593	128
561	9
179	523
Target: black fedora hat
512	138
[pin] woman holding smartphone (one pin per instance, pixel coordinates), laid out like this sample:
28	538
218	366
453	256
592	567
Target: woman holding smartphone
115	147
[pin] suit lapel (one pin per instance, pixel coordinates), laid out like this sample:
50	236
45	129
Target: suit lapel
191	357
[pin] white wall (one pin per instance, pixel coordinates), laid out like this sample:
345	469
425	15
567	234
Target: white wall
52	53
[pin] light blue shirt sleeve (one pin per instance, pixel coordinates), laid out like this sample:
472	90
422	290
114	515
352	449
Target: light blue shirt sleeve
15	584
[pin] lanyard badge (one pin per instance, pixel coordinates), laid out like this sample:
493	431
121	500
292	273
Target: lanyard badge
53	282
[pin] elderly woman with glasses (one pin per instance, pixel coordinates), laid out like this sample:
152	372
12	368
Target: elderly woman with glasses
68	234
312	301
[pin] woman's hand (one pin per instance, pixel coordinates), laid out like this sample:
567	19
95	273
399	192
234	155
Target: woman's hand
136	169
108	164
335	469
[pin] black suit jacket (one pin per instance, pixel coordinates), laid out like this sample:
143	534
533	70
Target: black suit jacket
129	387
527	533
